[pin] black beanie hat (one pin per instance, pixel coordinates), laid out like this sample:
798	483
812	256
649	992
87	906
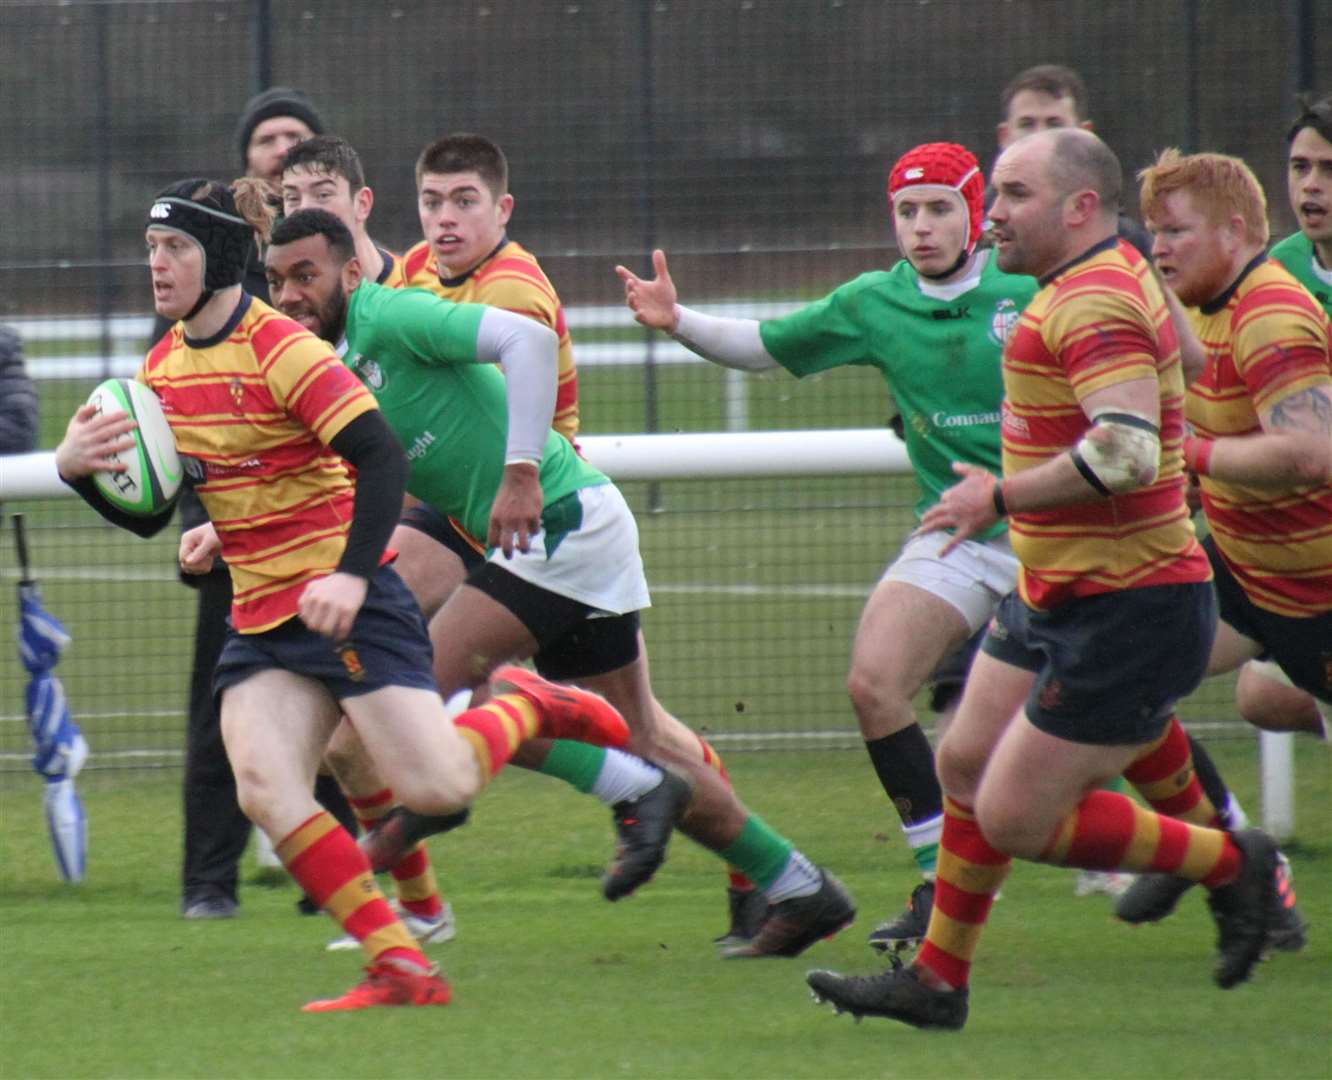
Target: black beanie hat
275	101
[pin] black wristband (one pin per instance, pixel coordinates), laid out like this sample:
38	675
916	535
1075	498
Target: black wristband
1000	506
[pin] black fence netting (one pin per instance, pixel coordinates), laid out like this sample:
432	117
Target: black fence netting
751	139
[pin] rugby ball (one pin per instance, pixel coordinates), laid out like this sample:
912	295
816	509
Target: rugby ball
151	482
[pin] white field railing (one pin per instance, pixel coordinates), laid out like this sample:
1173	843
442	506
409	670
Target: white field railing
735	455
127	335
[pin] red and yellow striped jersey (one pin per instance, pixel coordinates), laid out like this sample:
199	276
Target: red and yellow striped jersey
1266	338
255	406
1096	322
508	278
392	276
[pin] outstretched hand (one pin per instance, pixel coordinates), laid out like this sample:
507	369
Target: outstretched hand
967	507
652	302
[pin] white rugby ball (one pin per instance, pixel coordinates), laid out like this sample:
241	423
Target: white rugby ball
152	480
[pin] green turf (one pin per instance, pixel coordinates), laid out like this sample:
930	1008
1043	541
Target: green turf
105	980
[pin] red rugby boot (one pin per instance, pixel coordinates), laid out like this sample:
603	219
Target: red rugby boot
387	983
567	712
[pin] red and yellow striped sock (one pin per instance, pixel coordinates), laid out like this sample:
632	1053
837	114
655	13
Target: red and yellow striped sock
969	874
325	861
413	876
737	879
1164	776
1112	832
496	729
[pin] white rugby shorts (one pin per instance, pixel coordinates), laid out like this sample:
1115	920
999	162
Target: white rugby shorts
973	577
596	563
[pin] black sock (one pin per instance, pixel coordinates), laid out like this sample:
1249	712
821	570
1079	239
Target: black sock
904	762
1213	786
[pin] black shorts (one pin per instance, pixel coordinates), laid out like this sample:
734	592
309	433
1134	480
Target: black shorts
947	680
1302	648
1109	668
445	530
388	646
574	641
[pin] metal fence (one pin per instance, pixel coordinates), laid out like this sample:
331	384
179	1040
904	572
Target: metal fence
750	138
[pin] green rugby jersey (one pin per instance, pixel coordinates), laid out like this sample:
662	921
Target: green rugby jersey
939	357
417	355
1296	254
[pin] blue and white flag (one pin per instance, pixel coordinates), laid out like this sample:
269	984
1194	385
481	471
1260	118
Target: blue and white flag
60	748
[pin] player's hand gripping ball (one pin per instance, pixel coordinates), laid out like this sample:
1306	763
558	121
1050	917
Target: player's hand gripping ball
152	479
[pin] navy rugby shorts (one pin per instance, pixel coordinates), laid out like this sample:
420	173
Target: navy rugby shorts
388	646
1109	668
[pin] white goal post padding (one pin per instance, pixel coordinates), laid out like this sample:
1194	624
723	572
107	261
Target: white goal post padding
707	456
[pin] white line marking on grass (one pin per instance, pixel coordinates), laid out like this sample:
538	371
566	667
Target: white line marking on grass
88	717
104	755
855	592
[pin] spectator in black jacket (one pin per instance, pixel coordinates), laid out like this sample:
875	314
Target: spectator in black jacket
18	398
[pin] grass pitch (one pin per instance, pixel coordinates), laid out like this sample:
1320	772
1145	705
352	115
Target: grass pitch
105	980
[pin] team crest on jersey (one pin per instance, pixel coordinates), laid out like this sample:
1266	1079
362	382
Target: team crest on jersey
372	373
1002	322
237	391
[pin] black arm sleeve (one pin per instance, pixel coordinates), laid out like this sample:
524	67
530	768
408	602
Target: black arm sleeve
139	526
381	471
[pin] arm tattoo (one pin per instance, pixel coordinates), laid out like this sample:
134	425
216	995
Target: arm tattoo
1309	410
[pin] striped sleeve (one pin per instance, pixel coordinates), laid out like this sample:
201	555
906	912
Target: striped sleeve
510	284
1280	342
307	380
1101	332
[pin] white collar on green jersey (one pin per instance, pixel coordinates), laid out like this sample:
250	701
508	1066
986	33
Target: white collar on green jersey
1320	272
953	289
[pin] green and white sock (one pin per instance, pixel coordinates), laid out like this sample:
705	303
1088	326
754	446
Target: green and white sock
610	775
771	862
624	778
923	838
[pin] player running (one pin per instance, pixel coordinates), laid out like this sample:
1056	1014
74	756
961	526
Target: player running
1261	411
934	326
1079	671
435	552
268	422
564	582
1264	695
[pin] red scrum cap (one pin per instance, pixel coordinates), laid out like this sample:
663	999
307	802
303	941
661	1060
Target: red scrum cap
946	167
